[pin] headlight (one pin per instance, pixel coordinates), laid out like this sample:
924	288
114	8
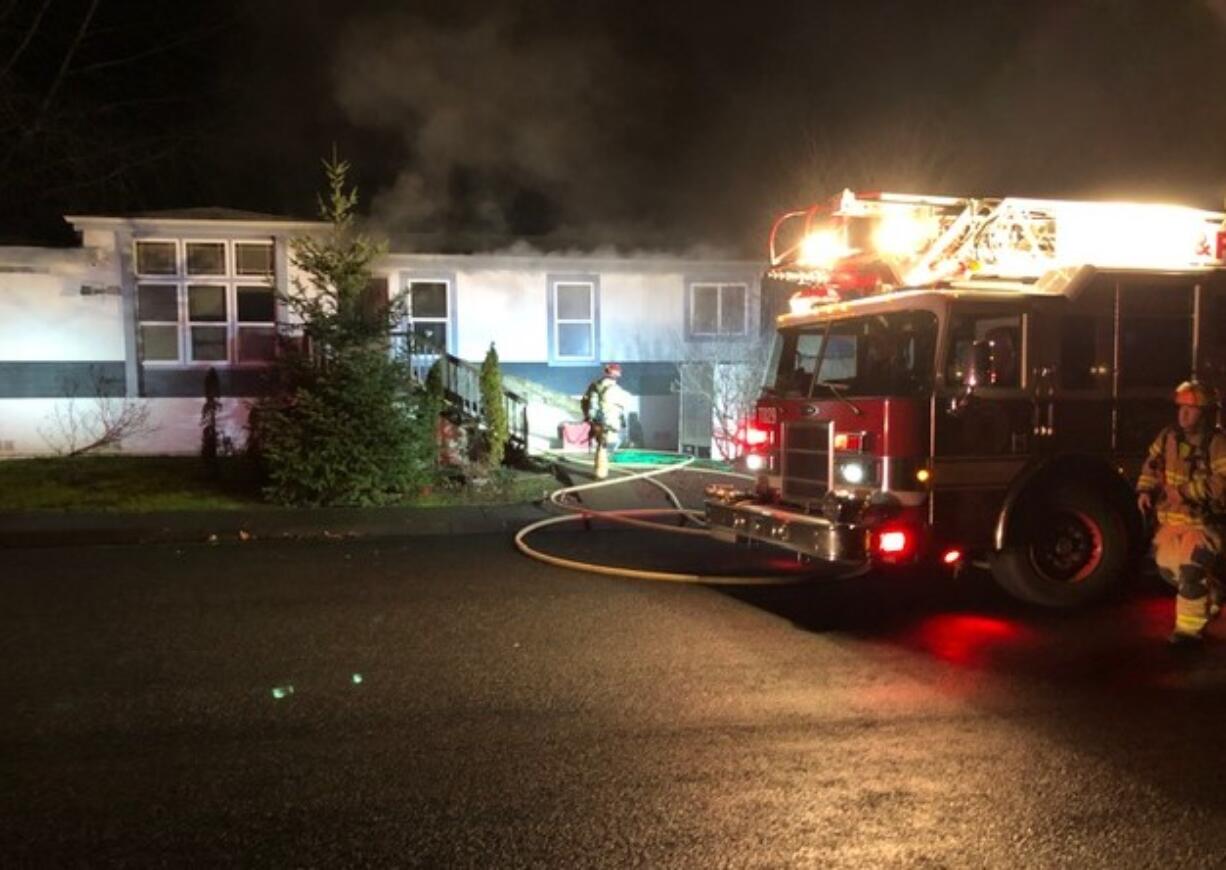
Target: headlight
852	472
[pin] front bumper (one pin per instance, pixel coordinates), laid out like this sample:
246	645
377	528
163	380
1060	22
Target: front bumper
816	537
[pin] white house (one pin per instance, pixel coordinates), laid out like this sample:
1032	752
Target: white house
147	304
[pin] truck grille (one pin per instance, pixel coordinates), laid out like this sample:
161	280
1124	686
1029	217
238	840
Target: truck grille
806	447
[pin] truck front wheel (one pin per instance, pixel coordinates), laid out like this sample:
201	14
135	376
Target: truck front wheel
1066	546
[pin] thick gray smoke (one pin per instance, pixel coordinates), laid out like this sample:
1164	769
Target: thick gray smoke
502	127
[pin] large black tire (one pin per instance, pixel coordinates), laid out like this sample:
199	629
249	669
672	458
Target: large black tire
1067	545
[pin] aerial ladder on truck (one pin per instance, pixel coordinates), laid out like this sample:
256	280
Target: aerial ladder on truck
906	240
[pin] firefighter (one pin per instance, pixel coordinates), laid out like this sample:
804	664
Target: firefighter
1183	481
604	408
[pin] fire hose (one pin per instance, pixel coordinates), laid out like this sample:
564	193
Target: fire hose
635	517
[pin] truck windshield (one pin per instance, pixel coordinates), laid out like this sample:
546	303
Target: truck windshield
877	355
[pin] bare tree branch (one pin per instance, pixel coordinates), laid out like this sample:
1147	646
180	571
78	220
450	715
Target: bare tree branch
49	98
33	29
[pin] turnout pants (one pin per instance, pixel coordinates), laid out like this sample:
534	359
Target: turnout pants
1188	558
606	440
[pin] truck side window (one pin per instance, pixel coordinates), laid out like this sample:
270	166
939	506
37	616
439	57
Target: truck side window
1085	352
1004	335
1155	336
1211	367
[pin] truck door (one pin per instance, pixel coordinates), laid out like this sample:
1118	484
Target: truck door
982	432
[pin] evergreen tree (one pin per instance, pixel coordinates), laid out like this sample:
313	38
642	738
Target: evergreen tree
348	427
494	405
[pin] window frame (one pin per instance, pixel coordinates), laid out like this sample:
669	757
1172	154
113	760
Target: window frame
182	281
405	282
556	357
720	285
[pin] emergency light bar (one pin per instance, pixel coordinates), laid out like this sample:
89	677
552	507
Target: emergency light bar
886	240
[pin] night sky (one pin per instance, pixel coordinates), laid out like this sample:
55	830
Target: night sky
641	125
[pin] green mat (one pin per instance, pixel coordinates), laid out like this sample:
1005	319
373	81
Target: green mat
661	457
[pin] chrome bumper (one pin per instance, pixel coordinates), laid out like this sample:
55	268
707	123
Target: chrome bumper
816	537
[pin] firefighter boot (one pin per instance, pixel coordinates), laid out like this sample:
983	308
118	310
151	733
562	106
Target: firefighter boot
1191	617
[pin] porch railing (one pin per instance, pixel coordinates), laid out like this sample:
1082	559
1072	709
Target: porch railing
461	384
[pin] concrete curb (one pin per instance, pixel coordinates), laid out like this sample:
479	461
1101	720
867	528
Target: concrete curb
58	529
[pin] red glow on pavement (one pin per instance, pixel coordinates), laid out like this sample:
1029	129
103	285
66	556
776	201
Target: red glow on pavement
965	639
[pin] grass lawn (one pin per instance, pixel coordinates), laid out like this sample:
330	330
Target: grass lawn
164	483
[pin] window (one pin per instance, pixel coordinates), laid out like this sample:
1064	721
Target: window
718	309
157	307
207	316
1155	336
888	354
253	258
574	320
157	258
427	304
206	258
1003	333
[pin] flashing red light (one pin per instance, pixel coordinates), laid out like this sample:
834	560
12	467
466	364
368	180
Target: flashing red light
893	542
952	556
756	436
1221	242
848	441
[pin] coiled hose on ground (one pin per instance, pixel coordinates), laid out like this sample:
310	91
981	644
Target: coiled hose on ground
637	517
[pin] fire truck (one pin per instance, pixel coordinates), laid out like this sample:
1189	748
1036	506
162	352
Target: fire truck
959	380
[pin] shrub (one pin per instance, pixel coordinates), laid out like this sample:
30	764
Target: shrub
351	435
494	406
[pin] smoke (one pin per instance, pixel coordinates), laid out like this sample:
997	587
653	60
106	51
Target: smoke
507	130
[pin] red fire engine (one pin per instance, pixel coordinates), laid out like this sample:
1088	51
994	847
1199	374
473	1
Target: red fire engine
959	379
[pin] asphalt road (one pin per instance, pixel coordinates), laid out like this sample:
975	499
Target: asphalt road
444	701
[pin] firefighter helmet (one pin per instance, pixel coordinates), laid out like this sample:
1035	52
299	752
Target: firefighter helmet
613	370
1197	394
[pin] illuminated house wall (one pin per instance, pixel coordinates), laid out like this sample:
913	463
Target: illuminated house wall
114	316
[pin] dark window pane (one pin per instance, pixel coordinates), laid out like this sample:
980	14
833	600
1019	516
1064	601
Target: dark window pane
206	302
156	258
159	342
1004	337
733	314
575	340
1086	351
706	310
428	299
158	302
206	258
256	343
1155	336
429	336
1155	351
256	305
209	343
252	259
574	301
